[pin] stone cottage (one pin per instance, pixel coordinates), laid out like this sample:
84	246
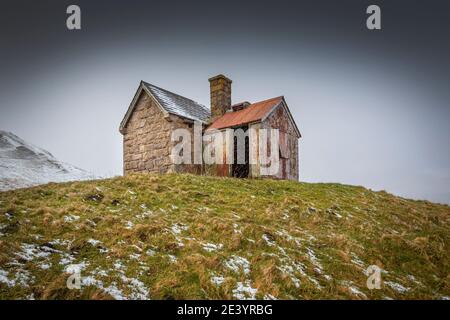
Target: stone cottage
154	114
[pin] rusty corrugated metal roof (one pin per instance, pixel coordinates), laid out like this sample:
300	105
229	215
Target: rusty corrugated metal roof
254	112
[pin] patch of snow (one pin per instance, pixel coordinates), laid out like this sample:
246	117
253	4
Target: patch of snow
356	260
76	268
23	278
66	259
210	247
268	240
114	292
71	218
31	251
313	258
4	278
288	270
144	214
244	291
177	228
119	266
268	296
134	256
45	266
129	225
235	263
217	280
354	290
396	286
172	258
93	242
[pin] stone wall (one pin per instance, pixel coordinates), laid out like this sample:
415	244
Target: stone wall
147	139
279	119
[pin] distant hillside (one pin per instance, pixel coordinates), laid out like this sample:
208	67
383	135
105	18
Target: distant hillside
192	237
24	165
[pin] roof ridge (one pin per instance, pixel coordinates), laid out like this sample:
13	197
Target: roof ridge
265	100
176	94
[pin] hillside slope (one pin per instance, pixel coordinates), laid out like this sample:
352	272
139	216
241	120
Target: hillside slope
24	165
184	236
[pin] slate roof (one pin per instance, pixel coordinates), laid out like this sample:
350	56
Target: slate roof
171	103
179	105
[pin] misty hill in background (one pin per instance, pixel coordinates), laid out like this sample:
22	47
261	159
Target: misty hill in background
24	165
179	236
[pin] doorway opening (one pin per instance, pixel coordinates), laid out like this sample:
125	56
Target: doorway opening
241	170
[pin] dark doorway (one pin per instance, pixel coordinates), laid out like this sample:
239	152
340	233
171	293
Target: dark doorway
241	170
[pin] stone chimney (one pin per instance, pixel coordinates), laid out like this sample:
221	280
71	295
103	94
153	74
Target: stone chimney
220	90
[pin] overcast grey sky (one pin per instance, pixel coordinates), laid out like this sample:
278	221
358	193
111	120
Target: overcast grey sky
373	106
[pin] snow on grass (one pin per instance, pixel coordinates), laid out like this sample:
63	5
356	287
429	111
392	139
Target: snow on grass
31	251
288	270
411	278
4	278
94	242
172	258
59	242
354	290
396	286
269	241
129	225
139	290
114	292
356	260
244	291
134	256
145	214
236	263
312	257
268	296
76	268
210	247
119	266
217	280
45	266
24	278
177	228
66	259
71	218
150	252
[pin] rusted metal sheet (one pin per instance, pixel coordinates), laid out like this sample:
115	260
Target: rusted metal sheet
252	113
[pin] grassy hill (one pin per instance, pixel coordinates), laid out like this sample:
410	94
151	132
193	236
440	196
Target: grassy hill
192	237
